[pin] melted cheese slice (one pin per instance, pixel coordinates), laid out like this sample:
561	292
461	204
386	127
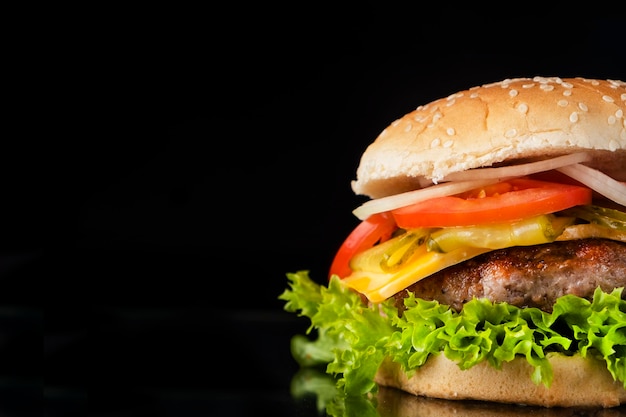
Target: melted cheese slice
378	286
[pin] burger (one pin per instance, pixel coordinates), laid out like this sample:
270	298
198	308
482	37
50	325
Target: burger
489	260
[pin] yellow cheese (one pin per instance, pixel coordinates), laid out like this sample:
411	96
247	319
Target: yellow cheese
378	286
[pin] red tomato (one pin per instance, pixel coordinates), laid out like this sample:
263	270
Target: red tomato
503	202
375	229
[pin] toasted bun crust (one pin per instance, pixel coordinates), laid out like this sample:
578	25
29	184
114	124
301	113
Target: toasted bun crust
513	120
577	382
393	403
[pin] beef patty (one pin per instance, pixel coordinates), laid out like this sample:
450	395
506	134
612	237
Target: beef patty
528	276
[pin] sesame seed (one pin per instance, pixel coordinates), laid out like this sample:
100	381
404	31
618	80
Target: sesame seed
611	120
510	133
435	142
619	113
562	103
450	102
567	93
608	99
623	96
595	82
567	85
513	93
583	106
573	117
408	127
448	143
473	95
522	108
528	85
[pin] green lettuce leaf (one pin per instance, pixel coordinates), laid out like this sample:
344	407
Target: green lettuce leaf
353	338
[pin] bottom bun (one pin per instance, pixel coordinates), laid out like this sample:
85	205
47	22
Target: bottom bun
577	381
392	402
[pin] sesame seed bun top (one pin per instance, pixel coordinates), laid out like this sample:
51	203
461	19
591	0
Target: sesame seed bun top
503	123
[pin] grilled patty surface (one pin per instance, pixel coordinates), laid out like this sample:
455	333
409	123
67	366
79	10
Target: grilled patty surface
528	276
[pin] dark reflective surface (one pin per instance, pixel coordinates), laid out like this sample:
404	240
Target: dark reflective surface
21	327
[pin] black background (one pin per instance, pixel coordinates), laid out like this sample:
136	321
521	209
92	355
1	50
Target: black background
172	165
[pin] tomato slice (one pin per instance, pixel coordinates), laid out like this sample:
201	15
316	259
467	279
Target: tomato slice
375	229
506	201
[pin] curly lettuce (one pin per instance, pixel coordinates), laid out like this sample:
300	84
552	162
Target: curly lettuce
353	338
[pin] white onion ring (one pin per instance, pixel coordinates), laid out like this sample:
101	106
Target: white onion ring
411	197
468	180
597	181
519	170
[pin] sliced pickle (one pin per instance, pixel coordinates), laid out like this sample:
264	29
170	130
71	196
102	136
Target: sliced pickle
602	216
590	230
533	231
399	253
391	255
